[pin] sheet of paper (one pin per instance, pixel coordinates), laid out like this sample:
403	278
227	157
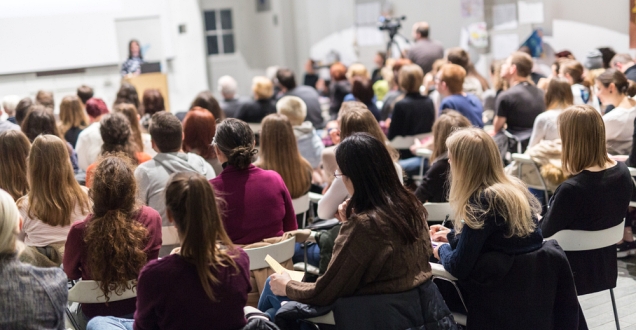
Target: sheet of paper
530	12
504	17
504	44
278	268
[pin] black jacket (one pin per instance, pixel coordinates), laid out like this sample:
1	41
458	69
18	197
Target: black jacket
412	115
255	111
434	186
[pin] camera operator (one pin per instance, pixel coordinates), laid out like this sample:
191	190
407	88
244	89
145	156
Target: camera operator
424	51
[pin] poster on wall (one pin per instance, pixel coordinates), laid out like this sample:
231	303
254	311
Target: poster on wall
472	8
632	24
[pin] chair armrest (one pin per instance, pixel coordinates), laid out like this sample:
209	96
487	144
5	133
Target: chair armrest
327	319
522	158
314	197
439	271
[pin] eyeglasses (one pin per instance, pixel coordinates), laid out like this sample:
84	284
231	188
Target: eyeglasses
337	175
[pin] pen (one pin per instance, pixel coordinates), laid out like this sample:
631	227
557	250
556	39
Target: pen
444	222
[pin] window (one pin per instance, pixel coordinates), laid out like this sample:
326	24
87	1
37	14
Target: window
219	31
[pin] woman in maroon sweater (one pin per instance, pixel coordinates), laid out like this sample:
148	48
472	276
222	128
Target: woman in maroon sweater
205	285
257	202
113	243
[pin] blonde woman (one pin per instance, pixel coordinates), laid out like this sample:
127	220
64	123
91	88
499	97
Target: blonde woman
279	152
73	118
255	111
595	197
498	211
55	200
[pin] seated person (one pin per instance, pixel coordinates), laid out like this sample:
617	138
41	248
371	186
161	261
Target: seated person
362	91
113	243
205	284
557	98
14	148
32	297
199	127
449	80
611	87
270	212
255	111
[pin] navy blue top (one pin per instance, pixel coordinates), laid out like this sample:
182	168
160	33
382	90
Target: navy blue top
370	105
469	106
459	257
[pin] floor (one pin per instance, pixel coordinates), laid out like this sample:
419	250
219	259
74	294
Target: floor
597	307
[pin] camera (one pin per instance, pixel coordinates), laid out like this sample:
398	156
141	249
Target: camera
390	24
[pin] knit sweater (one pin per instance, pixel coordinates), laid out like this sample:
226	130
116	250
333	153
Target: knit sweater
368	258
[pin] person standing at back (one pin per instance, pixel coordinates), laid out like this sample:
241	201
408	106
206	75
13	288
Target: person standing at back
287	84
448	82
425	51
518	106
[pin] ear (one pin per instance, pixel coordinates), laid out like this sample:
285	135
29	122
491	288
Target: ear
170	217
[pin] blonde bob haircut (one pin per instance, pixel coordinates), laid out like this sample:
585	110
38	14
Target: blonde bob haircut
411	78
292	107
357	70
9	223
262	88
480	187
582	133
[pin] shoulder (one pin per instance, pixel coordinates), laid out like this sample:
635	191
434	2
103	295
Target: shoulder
148	214
155	269
51	278
241	258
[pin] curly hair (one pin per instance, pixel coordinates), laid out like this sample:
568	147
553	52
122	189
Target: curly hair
117	134
114	239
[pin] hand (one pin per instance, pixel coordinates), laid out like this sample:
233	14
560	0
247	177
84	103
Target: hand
334	134
278	283
436	251
416	145
438	233
301	234
341	215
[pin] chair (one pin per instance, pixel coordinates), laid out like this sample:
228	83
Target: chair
301	206
440	273
88	292
526	160
632	172
425	154
169	235
281	252
405	142
584	240
438	212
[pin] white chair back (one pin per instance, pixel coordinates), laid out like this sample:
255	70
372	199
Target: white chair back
315	197
301	204
405	142
88	292
438	211
281	252
256	127
169	235
526	160
424	153
632	171
583	240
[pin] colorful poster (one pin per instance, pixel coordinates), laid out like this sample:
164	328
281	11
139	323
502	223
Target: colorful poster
472	8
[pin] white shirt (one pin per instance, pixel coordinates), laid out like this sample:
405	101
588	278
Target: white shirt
89	145
619	129
545	127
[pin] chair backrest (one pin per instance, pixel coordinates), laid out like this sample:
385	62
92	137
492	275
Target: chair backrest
632	171
583	240
315	197
256	127
405	142
301	204
169	235
438	211
424	153
281	252
526	160
88	292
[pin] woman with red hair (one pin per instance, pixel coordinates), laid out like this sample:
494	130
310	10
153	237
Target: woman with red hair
199	127
338	88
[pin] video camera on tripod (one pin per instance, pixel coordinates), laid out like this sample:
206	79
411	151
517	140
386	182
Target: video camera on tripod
392	25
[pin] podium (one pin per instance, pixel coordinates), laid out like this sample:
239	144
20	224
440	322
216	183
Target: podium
155	80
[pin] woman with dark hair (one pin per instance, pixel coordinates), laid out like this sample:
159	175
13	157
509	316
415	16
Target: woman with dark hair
73	118
362	91
152	102
141	140
207	101
338	88
22	109
14	148
132	66
611	89
113	243
199	127
127	93
209	277
270	212
384	229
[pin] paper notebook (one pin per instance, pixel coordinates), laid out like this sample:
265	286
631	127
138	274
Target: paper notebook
278	268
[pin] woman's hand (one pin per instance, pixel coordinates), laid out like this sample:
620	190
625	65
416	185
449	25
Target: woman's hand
278	283
436	251
341	215
438	233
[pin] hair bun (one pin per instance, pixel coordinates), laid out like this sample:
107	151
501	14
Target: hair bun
241	157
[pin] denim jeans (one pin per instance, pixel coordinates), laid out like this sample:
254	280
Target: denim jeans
110	322
269	302
313	254
412	166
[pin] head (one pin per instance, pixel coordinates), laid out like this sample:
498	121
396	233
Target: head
9	224
113	232
40	120
72	113
362	89
262	88
479	185
152	102
495	75
611	84
449	79
116	134
56	193
622	62
593	60
572	71
357	70
96	108
9	103
446	124
294	108
134	49
14	148
286	79
369	175
355	117
166	132
84	93
379	59
191	206
559	94
22	109
199	127
411	78
235	140
420	30
565	54
397	66
608	54
338	71
517	66
227	87
130	112
582	133
207	101
127	94
458	56
45	98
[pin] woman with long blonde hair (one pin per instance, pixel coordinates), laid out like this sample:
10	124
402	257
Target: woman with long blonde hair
279	152
73	118
55	200
492	211
14	148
